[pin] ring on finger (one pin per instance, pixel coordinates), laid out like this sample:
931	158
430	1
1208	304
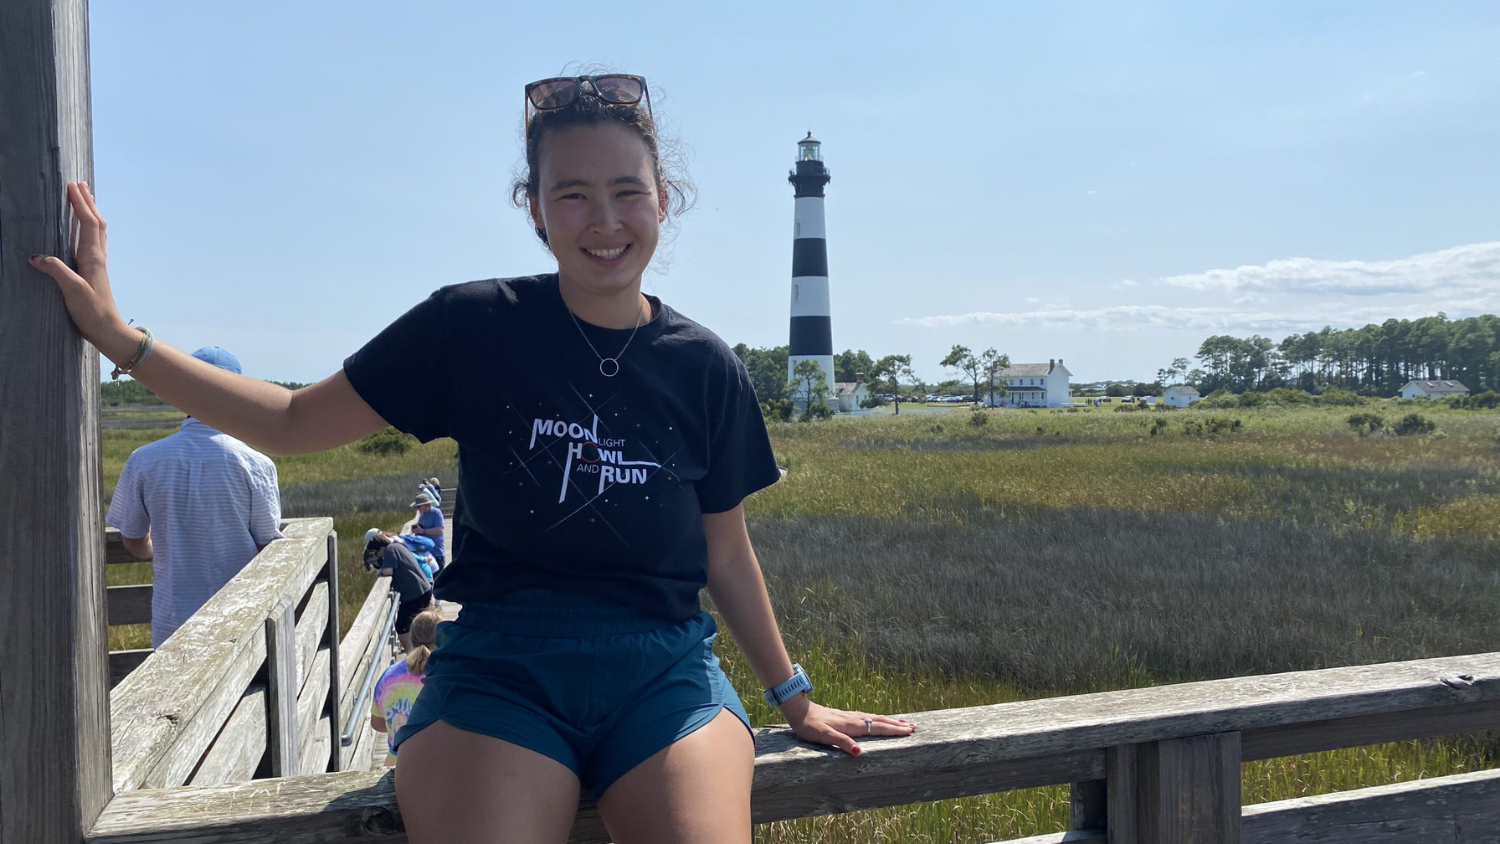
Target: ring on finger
869	722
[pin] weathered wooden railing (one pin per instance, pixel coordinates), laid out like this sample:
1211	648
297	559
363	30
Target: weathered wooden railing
254	683
1146	765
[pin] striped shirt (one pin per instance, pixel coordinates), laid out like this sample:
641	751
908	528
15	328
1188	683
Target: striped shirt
208	500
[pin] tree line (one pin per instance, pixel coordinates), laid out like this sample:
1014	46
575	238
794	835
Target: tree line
131	392
780	391
1376	360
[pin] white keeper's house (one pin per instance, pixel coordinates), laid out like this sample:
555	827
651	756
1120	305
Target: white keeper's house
1433	389
1034	385
1179	395
848	394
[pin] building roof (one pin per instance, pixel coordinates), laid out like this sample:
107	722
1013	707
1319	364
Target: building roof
1181	389
1439	386
810	140
848	388
1024	370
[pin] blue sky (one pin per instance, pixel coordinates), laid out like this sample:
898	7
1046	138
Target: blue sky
1085	181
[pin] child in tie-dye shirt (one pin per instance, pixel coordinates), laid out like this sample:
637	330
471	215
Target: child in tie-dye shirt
396	691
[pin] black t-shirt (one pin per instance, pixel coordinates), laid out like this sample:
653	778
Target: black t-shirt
567	479
406	575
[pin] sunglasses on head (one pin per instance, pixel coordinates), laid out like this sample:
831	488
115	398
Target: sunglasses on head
562	91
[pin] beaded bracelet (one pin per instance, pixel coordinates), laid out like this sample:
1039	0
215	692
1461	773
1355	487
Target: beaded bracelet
141	353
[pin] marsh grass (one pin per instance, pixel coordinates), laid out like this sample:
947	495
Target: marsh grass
920	562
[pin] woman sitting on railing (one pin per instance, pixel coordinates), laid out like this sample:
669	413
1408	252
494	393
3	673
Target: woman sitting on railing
397	688
608	443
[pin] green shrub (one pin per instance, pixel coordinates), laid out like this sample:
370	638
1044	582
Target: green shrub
873	401
816	412
1249	399
1413	424
776	410
386	443
1281	396
1488	400
1220	398
979	419
1216	425
1366	424
1336	397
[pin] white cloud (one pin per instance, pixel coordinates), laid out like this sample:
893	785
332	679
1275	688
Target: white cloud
1125	283
1471	269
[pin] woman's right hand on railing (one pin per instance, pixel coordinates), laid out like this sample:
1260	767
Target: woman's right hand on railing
86	291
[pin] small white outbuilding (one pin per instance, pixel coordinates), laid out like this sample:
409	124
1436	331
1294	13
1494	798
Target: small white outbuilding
1179	395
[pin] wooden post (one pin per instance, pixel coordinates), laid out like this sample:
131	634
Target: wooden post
1087	805
281	684
1176	791
1122	821
54	680
335	723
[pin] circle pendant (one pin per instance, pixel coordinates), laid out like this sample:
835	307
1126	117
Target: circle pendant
609	367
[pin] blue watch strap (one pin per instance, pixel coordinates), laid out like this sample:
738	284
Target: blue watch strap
799	682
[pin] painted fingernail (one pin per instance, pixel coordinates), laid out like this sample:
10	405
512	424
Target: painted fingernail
857	750
34	258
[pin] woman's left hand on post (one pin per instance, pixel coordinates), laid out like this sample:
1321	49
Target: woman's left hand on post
838	728
86	291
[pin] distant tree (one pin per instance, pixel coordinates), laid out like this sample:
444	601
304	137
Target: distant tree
993	363
973	367
1174	373
809	388
951	387
1154	389
767	368
849	364
888	373
1115	390
128	392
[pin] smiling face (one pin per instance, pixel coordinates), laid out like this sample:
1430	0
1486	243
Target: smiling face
601	205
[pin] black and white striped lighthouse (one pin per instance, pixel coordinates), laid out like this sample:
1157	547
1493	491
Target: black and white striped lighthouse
812	329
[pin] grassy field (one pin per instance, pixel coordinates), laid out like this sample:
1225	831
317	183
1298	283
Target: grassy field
931	560
925	563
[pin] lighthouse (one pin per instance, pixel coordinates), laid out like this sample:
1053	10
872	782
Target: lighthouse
811	330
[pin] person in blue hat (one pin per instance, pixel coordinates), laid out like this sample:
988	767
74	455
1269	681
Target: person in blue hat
200	505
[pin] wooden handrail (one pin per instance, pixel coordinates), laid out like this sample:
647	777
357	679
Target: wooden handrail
169	712
957	753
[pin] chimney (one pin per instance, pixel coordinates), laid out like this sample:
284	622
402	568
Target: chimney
859	377
1051	365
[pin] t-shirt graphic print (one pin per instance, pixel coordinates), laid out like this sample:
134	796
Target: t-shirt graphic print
568	479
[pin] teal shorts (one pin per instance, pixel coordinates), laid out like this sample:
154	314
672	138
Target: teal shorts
596	685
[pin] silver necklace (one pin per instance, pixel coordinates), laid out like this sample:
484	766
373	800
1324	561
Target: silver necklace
608	367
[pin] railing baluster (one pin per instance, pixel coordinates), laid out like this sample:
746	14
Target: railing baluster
281	677
335	694
1122	817
1087	805
1188	790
